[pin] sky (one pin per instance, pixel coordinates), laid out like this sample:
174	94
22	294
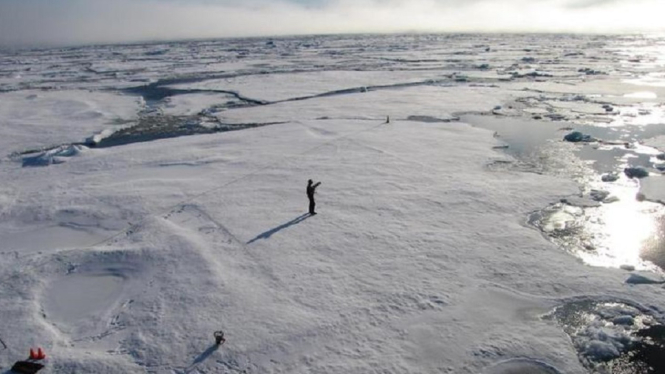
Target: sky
67	22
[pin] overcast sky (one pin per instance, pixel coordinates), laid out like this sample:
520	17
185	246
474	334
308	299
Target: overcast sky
27	22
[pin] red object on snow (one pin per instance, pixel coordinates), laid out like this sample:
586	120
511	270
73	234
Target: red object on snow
39	355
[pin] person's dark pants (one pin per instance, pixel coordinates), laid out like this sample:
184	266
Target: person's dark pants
311	206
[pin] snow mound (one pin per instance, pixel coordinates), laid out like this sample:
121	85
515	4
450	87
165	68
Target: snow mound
54	156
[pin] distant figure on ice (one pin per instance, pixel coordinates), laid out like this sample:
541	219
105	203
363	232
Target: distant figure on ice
311	189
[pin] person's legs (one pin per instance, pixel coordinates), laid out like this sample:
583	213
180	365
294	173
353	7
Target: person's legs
311	206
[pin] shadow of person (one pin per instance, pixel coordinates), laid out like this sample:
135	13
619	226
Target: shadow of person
202	357
281	227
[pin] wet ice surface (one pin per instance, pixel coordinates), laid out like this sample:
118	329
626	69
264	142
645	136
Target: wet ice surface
616	219
609	223
614	337
612	222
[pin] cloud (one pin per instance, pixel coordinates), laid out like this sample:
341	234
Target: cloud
102	21
581	4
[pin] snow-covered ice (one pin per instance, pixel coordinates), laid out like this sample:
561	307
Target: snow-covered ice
32	119
126	259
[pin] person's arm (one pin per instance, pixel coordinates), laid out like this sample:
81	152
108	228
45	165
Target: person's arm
317	184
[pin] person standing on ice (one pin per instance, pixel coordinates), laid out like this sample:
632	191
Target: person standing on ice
311	189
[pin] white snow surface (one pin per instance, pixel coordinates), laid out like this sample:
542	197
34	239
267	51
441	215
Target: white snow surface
279	87
127	259
31	119
400	262
429	104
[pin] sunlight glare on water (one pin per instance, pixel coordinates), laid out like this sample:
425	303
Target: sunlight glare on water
621	232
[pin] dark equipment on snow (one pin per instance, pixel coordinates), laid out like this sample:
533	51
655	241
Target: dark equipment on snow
26	367
219	337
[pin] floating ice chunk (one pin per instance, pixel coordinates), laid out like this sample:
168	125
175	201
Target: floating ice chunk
577	136
599	195
636	172
624	320
557	117
531	74
561	219
611	177
608	108
613	310
600	350
505	111
605	331
589	71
